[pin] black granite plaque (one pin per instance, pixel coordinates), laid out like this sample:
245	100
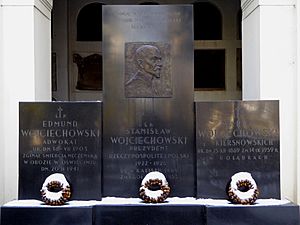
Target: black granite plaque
237	136
150	215
148	98
60	137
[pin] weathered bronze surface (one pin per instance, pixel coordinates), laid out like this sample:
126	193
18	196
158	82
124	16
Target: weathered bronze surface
147	70
237	136
89	71
147	129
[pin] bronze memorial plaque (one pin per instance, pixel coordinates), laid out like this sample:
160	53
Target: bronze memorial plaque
148	119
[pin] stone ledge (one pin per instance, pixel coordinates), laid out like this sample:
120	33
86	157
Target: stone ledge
138	201
131	211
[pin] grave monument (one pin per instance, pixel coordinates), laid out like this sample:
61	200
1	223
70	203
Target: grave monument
148	117
150	122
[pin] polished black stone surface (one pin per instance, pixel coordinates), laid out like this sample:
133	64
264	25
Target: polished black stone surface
46	216
60	137
148	117
253	215
150	215
237	136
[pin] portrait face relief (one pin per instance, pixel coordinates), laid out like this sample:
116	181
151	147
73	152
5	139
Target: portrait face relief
147	70
149	60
